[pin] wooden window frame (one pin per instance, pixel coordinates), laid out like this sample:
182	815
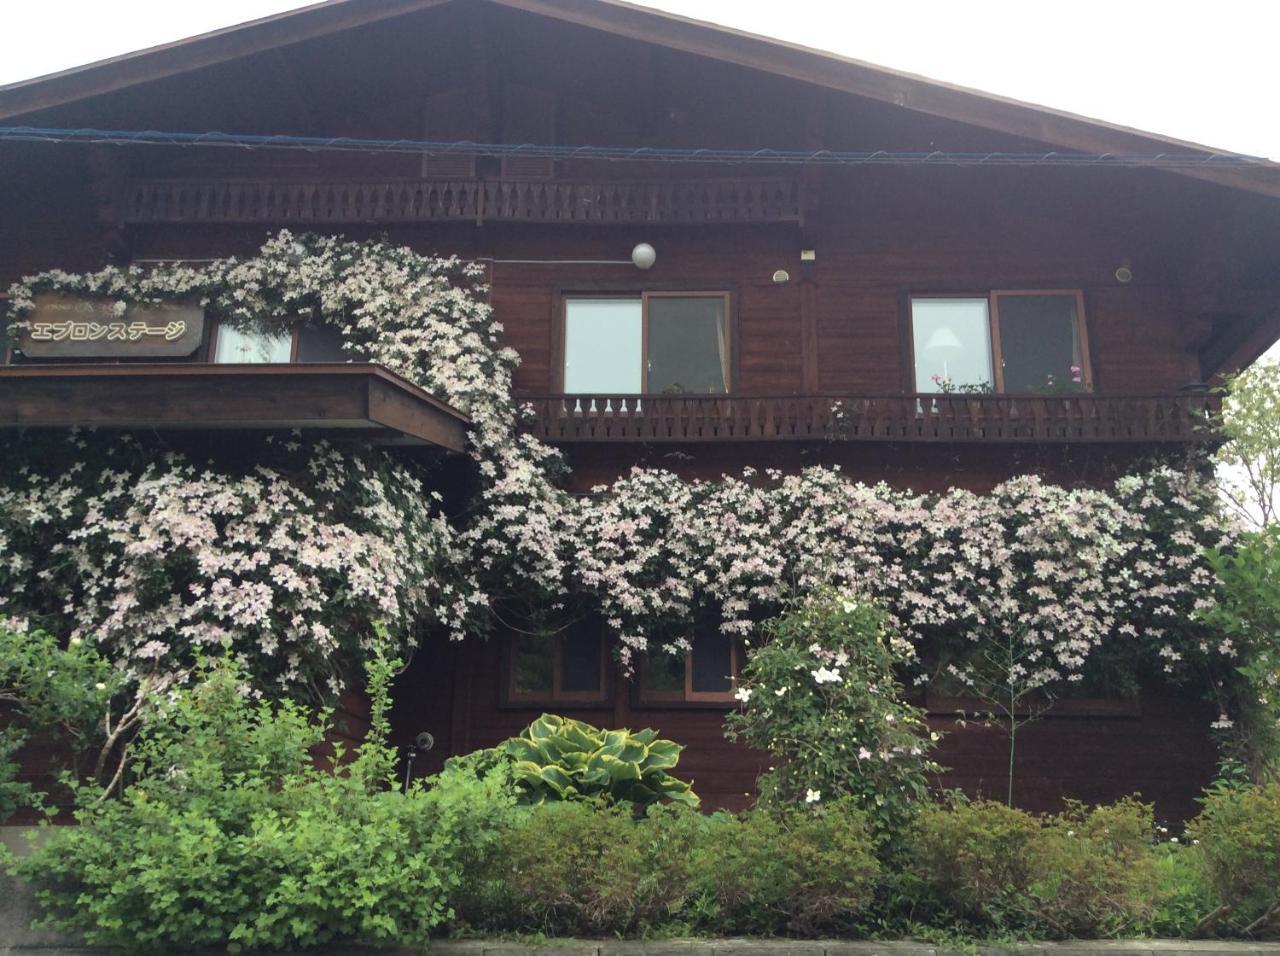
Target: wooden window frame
649	698
562	331
946	705
212	358
511	697
992	298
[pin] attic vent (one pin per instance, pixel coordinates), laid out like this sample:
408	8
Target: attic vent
528	167
449	166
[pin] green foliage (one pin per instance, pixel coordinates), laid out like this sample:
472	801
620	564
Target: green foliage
973	858
1096	870
1249	472
802	871
594	868
1238	834
61	692
1247	614
1183	895
822	697
1082	873
231	834
584	867
556	758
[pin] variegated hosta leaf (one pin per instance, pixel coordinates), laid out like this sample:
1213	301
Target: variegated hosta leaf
555	758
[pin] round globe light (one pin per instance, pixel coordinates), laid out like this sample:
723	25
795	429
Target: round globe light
643	256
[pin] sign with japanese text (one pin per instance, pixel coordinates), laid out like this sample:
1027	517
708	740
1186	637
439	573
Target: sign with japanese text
62	326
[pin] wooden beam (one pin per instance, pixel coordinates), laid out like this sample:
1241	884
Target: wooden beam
1239	345
365	400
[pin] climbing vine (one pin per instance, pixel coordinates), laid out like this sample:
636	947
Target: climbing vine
1070	571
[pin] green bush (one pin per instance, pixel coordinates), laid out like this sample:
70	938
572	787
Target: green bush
802	871
556	758
1183	895
229	834
585	867
973	859
822	697
1096	870
59	690
1085	872
594	868
1238	839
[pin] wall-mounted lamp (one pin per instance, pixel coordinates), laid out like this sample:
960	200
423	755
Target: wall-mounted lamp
808	255
781	276
1124	274
643	256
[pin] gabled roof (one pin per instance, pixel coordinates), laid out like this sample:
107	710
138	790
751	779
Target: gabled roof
1055	128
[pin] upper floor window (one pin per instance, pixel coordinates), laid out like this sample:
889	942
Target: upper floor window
306	343
1008	341
654	343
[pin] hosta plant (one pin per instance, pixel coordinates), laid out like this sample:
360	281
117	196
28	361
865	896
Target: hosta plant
556	758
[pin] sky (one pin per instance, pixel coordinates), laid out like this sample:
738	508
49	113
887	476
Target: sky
1204	72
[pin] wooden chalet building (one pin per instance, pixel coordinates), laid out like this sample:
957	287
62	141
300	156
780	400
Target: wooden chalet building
780	289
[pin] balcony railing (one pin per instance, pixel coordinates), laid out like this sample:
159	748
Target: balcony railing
676	202
1183	417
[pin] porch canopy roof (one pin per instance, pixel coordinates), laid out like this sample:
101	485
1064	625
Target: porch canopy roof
365	401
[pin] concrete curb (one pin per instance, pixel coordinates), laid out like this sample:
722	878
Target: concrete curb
751	947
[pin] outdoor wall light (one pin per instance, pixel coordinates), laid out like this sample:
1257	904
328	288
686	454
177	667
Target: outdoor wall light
1124	274
643	256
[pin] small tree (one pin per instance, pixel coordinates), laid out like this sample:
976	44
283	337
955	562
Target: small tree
822	697
1249	461
1006	674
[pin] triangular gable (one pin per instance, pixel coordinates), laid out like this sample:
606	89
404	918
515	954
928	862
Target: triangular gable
1055	128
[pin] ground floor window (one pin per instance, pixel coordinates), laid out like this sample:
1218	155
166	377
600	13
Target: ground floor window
570	666
707	672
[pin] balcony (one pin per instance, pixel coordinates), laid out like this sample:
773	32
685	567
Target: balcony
1185	418
674	202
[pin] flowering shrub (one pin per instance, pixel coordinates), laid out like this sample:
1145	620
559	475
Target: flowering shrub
821	696
1066	571
289	562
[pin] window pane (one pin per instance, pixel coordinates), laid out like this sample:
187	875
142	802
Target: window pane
1039	343
688	344
664	673
712	661
236	346
952	343
532	661
581	658
321	343
602	345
